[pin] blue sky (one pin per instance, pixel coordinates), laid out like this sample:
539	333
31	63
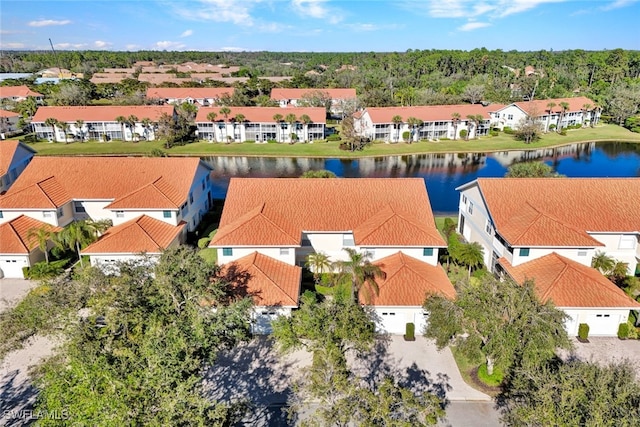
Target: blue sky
320	25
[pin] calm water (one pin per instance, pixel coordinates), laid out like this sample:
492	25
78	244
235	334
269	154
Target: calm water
441	172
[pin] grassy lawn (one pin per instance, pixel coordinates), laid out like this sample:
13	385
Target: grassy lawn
440	222
466	368
502	142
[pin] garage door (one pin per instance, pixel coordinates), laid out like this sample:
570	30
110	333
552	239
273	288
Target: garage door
391	322
12	268
603	324
262	322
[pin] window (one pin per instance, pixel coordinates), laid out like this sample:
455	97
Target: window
119	214
284	251
582	252
427	252
166	214
1	215
627	241
464	199
347	240
78	208
227	251
60	212
190	198
488	228
524	251
371	253
470	209
510	117
47	214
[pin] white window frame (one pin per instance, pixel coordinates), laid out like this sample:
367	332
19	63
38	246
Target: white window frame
470	208
284	251
119	214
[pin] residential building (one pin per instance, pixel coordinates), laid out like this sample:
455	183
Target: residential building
59	190
8	123
19	93
431	122
14	158
281	221
101	122
200	96
530	225
19	248
339	99
549	113
258	124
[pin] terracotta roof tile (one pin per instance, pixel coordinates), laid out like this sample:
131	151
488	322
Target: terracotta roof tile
101	113
17	91
14	235
156	195
293	93
296	205
271	282
568	283
262	114
430	113
560	211
409	281
142	234
59	179
8	114
189	92
540	106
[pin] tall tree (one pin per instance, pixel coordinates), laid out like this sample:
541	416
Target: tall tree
550	106
53	123
146	127
131	123
564	107
414	123
80	128
239	118
306	121
397	124
42	236
318	263
292	119
278	119
225	111
501	321
455	121
603	262
362	274
471	255
79	234
212	118
122	120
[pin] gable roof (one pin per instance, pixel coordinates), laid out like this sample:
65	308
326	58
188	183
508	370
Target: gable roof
430	113
141	234
540	106
262	114
8	114
270	283
8	149
189	92
568	283
560	211
293	93
101	113
17	92
408	281
14	235
297	205
50	182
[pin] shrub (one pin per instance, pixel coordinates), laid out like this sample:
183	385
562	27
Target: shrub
333	137
410	332
156	152
210	255
508	130
249	141
406	135
563	132
552	127
42	270
494	133
272	141
204	242
463	133
623	331
583	331
448	227
632	330
495	129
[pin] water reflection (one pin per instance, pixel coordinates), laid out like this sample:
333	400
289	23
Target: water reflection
442	172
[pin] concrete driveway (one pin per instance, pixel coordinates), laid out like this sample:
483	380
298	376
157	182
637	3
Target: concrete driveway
605	350
13	290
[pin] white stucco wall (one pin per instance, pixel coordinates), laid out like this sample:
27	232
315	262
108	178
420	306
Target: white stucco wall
612	248
580	255
261	318
11	266
598	326
393	320
273	252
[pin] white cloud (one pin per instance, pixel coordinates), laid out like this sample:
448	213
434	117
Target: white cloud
236	11
234	49
186	33
470	26
70	45
169	45
100	44
48	22
132	47
617	4
474	9
366	27
519	6
317	9
12	45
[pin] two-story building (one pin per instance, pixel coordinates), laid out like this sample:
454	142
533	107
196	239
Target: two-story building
14	158
285	220
424	122
149	198
200	96
19	93
523	222
339	100
100	122
261	124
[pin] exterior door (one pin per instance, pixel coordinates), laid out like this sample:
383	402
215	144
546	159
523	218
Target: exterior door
603	323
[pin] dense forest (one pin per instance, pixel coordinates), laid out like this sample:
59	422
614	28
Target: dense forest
415	77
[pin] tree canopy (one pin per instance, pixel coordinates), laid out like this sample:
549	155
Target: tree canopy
531	170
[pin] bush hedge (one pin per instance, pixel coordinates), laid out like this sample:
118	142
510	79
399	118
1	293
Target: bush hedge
583	331
623	331
410	332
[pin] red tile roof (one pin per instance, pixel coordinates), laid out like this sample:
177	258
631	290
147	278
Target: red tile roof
275	211
560	211
101	113
142	234
287	93
568	283
53	181
189	92
8	149
409	281
8	114
270	282
14	235
17	92
540	106
430	113
263	114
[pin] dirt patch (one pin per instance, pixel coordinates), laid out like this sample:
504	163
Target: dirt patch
479	385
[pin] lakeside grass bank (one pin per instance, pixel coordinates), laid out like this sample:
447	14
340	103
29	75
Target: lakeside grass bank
499	143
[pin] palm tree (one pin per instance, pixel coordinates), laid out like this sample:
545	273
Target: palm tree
455	120
564	106
603	263
131	123
414	123
239	118
550	107
318	263
362	272
476	119
79	124
64	127
397	122
53	123
585	109
291	119
146	125
41	235
306	120
212	118
225	111
122	120
471	254
278	119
